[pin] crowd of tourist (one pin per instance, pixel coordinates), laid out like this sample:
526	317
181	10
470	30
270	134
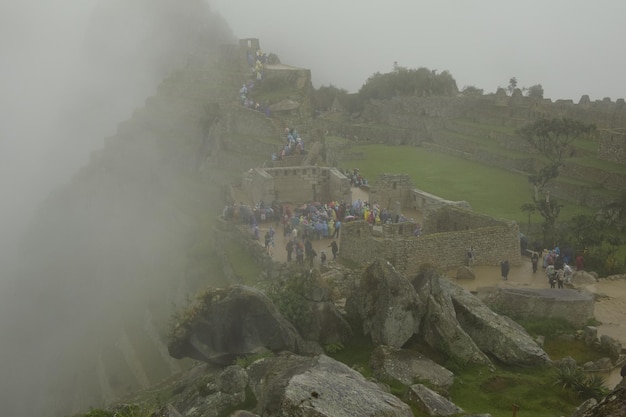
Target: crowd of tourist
245	100
356	180
294	145
556	265
307	223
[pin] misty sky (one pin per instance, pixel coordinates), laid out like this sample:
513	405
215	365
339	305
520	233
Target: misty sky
571	47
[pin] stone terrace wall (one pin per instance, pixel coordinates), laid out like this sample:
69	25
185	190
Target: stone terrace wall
428	203
443	250
612	146
296	185
451	219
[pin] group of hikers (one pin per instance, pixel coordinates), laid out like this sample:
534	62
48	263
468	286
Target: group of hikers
556	266
294	145
304	250
257	61
356	180
245	100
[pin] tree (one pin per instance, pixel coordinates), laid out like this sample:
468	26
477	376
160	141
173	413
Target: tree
552	138
408	82
535	91
324	96
614	213
512	85
472	91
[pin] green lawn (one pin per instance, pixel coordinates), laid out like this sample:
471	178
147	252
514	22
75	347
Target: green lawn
490	190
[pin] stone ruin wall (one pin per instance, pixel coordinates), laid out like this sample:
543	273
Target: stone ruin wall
612	146
391	188
575	307
428	203
449	218
443	250
296	185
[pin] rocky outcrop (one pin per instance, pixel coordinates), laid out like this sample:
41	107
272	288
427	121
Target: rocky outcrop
465	272
432	403
613	405
292	385
440	327
206	391
325	324
386	304
408	367
495	335
232	322
451	320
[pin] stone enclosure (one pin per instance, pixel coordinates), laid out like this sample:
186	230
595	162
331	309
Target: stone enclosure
449	228
296	185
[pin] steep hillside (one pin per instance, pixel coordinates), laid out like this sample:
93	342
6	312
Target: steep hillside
106	258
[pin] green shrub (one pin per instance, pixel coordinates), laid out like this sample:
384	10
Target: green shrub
288	296
584	386
333	347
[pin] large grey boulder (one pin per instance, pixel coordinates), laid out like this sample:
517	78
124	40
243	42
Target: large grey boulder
291	385
408	367
205	392
432	403
324	324
465	272
611	346
386	304
584	407
232	322
440	327
495	335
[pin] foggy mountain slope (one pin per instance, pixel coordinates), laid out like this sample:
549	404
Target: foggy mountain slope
110	249
104	257
127	50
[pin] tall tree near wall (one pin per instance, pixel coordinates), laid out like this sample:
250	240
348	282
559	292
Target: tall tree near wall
553	139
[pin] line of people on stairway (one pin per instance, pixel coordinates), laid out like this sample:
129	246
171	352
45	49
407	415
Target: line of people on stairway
246	101
294	145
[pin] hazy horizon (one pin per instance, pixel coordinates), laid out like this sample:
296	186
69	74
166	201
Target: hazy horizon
569	47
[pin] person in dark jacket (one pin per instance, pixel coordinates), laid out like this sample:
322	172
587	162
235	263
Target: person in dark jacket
335	249
504	268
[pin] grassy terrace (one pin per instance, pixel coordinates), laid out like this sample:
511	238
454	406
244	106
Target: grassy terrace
490	190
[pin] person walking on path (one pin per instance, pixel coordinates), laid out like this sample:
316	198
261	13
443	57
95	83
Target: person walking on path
504	268
336	232
289	250
334	249
535	261
470	256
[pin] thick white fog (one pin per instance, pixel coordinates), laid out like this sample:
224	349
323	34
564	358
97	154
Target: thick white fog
570	47
72	70
70	73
